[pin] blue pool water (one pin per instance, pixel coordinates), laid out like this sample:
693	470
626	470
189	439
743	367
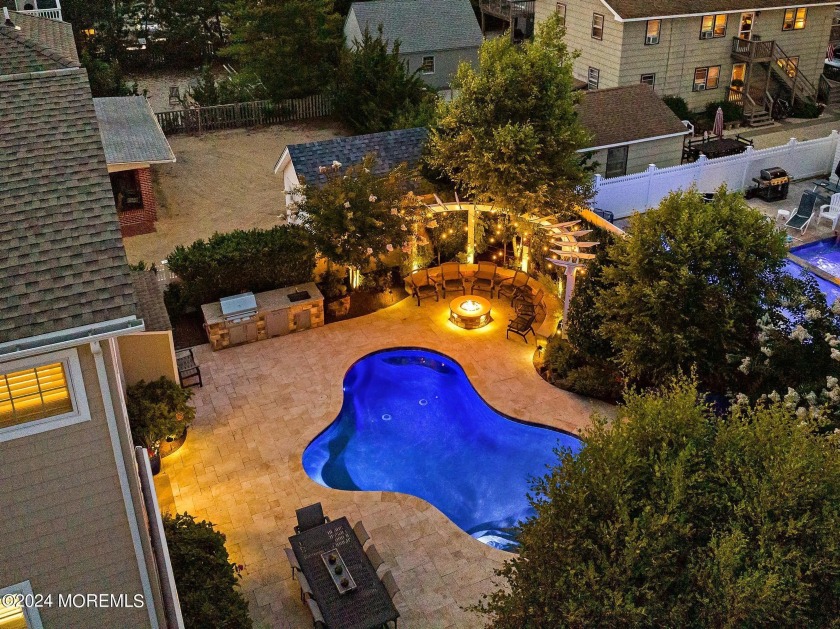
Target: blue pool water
412	422
824	255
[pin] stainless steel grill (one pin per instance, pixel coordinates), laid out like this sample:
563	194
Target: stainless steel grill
238	307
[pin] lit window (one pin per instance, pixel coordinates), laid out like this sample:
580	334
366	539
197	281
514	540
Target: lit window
789	65
41	393
713	26
560	7
594	77
428	65
13	611
616	162
649	79
794	19
652	32
706	78
597	26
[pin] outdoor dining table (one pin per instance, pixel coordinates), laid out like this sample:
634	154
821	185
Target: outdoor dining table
368	605
825	184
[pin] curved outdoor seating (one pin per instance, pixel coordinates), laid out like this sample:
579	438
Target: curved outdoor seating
451	277
509	287
423	286
484	279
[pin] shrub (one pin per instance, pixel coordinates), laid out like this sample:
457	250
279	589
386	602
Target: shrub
801	109
731	111
205	577
157	410
678	105
570	370
255	260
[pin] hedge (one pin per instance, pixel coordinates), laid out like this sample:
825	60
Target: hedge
239	261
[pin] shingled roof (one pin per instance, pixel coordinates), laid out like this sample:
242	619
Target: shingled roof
421	25
21	51
130	131
53	34
642	9
391	149
63	263
631	113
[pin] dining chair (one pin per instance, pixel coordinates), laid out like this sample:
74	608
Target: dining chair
305	589
374	556
390	584
317	617
309	517
293	562
361	533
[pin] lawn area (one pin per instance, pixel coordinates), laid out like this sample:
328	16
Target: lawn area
221	181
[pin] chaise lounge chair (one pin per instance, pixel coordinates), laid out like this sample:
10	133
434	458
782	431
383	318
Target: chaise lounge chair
451	277
804	213
422	286
485	278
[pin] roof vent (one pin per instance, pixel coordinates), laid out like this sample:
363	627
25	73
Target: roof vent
7	20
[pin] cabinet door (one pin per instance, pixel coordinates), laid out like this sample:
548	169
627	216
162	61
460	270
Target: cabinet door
251	331
277	323
237	333
303	320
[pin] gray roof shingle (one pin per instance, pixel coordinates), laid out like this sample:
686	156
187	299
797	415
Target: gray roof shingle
640	9
625	114
53	34
21	52
130	131
391	149
150	302
421	25
63	263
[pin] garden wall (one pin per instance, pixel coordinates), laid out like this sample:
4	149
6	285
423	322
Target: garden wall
635	193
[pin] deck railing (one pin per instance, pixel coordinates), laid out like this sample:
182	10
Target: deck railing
508	8
52	14
751	49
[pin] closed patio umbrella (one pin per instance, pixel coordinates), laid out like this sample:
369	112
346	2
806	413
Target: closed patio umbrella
718	128
829	52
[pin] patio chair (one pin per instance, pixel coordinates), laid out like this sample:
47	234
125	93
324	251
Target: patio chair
422	285
310	517
804	213
187	368
174	95
374	556
293	562
528	303
390	584
361	533
831	212
522	325
305	588
485	278
452	278
317	617
508	287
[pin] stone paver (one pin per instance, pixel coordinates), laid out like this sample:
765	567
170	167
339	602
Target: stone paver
263	403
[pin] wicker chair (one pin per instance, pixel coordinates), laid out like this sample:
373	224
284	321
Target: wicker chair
422	285
510	286
485	278
452	278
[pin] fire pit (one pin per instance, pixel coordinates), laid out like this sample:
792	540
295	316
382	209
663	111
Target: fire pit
470	312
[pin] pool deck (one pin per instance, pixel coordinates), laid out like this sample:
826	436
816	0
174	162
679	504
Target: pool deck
817	230
263	403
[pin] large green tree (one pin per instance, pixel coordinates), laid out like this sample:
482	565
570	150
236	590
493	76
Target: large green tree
373	90
291	45
194	28
511	133
675	517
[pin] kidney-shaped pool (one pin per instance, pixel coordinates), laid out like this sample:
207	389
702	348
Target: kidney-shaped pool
412	422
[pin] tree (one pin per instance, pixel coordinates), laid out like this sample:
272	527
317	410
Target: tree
357	215
674	517
193	28
204	575
684	290
373	90
290	45
510	135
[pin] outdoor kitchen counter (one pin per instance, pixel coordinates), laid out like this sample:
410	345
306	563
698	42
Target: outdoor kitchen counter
270	300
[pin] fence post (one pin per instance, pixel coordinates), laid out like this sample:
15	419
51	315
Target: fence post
651	169
836	158
791	151
747	162
701	162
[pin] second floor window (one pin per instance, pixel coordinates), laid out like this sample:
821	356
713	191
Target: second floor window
594	77
706	78
794	19
616	162
561	9
652	33
597	26
713	26
649	79
428	65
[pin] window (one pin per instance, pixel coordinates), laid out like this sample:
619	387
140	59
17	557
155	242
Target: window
592	78
428	65
649	79
713	26
794	19
652	33
14	614
616	162
560	7
597	26
706	78
789	65
41	393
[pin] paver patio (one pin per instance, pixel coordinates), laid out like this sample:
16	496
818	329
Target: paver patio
263	403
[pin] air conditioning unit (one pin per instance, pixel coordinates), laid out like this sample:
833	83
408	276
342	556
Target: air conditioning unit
651	39
707	34
700	87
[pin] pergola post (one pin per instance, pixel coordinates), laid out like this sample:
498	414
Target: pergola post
567	298
471	234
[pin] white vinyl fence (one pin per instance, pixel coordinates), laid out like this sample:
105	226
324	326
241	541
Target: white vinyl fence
635	193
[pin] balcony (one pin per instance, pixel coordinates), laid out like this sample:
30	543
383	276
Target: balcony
508	9
751	50
50	13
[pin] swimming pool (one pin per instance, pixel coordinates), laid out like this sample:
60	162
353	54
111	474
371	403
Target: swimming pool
412	422
823	255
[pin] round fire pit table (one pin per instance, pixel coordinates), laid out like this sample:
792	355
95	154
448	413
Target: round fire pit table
470	312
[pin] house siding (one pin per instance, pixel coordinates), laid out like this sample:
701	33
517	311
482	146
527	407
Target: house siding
663	153
446	64
64	525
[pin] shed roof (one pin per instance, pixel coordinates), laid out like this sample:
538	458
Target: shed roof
63	264
631	113
391	149
421	25
130	132
641	9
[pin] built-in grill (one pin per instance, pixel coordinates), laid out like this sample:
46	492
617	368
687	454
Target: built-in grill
238	307
771	185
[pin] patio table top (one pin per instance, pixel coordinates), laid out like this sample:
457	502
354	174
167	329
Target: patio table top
369	604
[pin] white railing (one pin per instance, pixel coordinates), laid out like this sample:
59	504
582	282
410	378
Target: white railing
637	192
52	14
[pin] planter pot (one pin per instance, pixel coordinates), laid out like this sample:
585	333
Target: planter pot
172	444
340	307
154	461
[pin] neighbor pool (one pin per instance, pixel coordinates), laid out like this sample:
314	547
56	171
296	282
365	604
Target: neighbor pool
412	422
824	255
